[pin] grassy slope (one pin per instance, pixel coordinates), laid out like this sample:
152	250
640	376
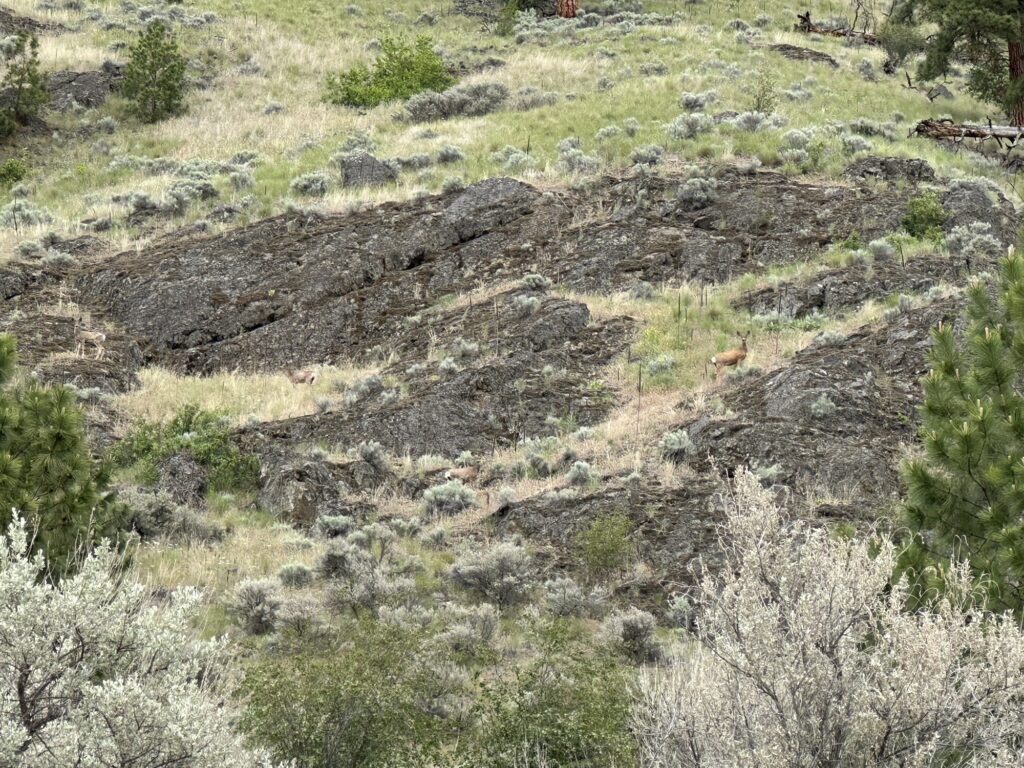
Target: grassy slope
296	43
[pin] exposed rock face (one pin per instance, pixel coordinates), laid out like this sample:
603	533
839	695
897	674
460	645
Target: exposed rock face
890	169
361	169
529	368
672	527
184	479
871	381
292	290
85	89
12	24
302	489
845	289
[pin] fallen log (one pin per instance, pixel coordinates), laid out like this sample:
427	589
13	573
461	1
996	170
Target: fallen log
948	130
797	53
805	25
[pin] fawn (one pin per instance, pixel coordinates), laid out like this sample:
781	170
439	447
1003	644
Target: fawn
83	338
302	377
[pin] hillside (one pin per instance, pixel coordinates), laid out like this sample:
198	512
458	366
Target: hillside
508	315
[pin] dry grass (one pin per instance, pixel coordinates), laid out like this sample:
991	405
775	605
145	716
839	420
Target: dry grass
250	552
268	397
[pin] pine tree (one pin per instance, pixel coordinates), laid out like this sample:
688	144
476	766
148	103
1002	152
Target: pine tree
46	472
965	496
154	78
988	35
24	85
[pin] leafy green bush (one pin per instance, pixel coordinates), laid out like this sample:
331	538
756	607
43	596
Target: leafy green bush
925	216
900	41
367	706
203	435
46	472
154	79
402	69
12	171
24	85
568	707
604	547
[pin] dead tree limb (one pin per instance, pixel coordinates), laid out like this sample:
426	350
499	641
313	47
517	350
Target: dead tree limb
948	130
931	93
805	25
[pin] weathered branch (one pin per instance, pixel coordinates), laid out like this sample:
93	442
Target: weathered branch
947	129
804	24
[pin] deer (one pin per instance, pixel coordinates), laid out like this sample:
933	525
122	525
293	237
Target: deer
733	356
302	377
84	338
465	474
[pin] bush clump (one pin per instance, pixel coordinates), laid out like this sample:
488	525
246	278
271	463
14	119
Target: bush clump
204	435
154	78
155	514
255	604
676	446
448	499
313	184
604	546
565	598
12	171
461	101
632	633
295	575
697	193
500	575
689	125
402	69
974	240
925	216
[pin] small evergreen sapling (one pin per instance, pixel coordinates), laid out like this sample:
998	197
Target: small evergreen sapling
154	79
23	84
964	495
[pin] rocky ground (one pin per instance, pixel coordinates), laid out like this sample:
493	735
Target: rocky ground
472	358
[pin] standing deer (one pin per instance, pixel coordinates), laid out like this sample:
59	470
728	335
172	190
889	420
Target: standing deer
302	377
733	356
83	338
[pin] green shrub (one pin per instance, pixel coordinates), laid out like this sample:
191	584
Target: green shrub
154	78
507	19
402	69
24	85
203	435
900	41
46	472
604	547
11	172
368	705
925	216
569	707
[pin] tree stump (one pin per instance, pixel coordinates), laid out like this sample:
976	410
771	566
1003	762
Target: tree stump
567	9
